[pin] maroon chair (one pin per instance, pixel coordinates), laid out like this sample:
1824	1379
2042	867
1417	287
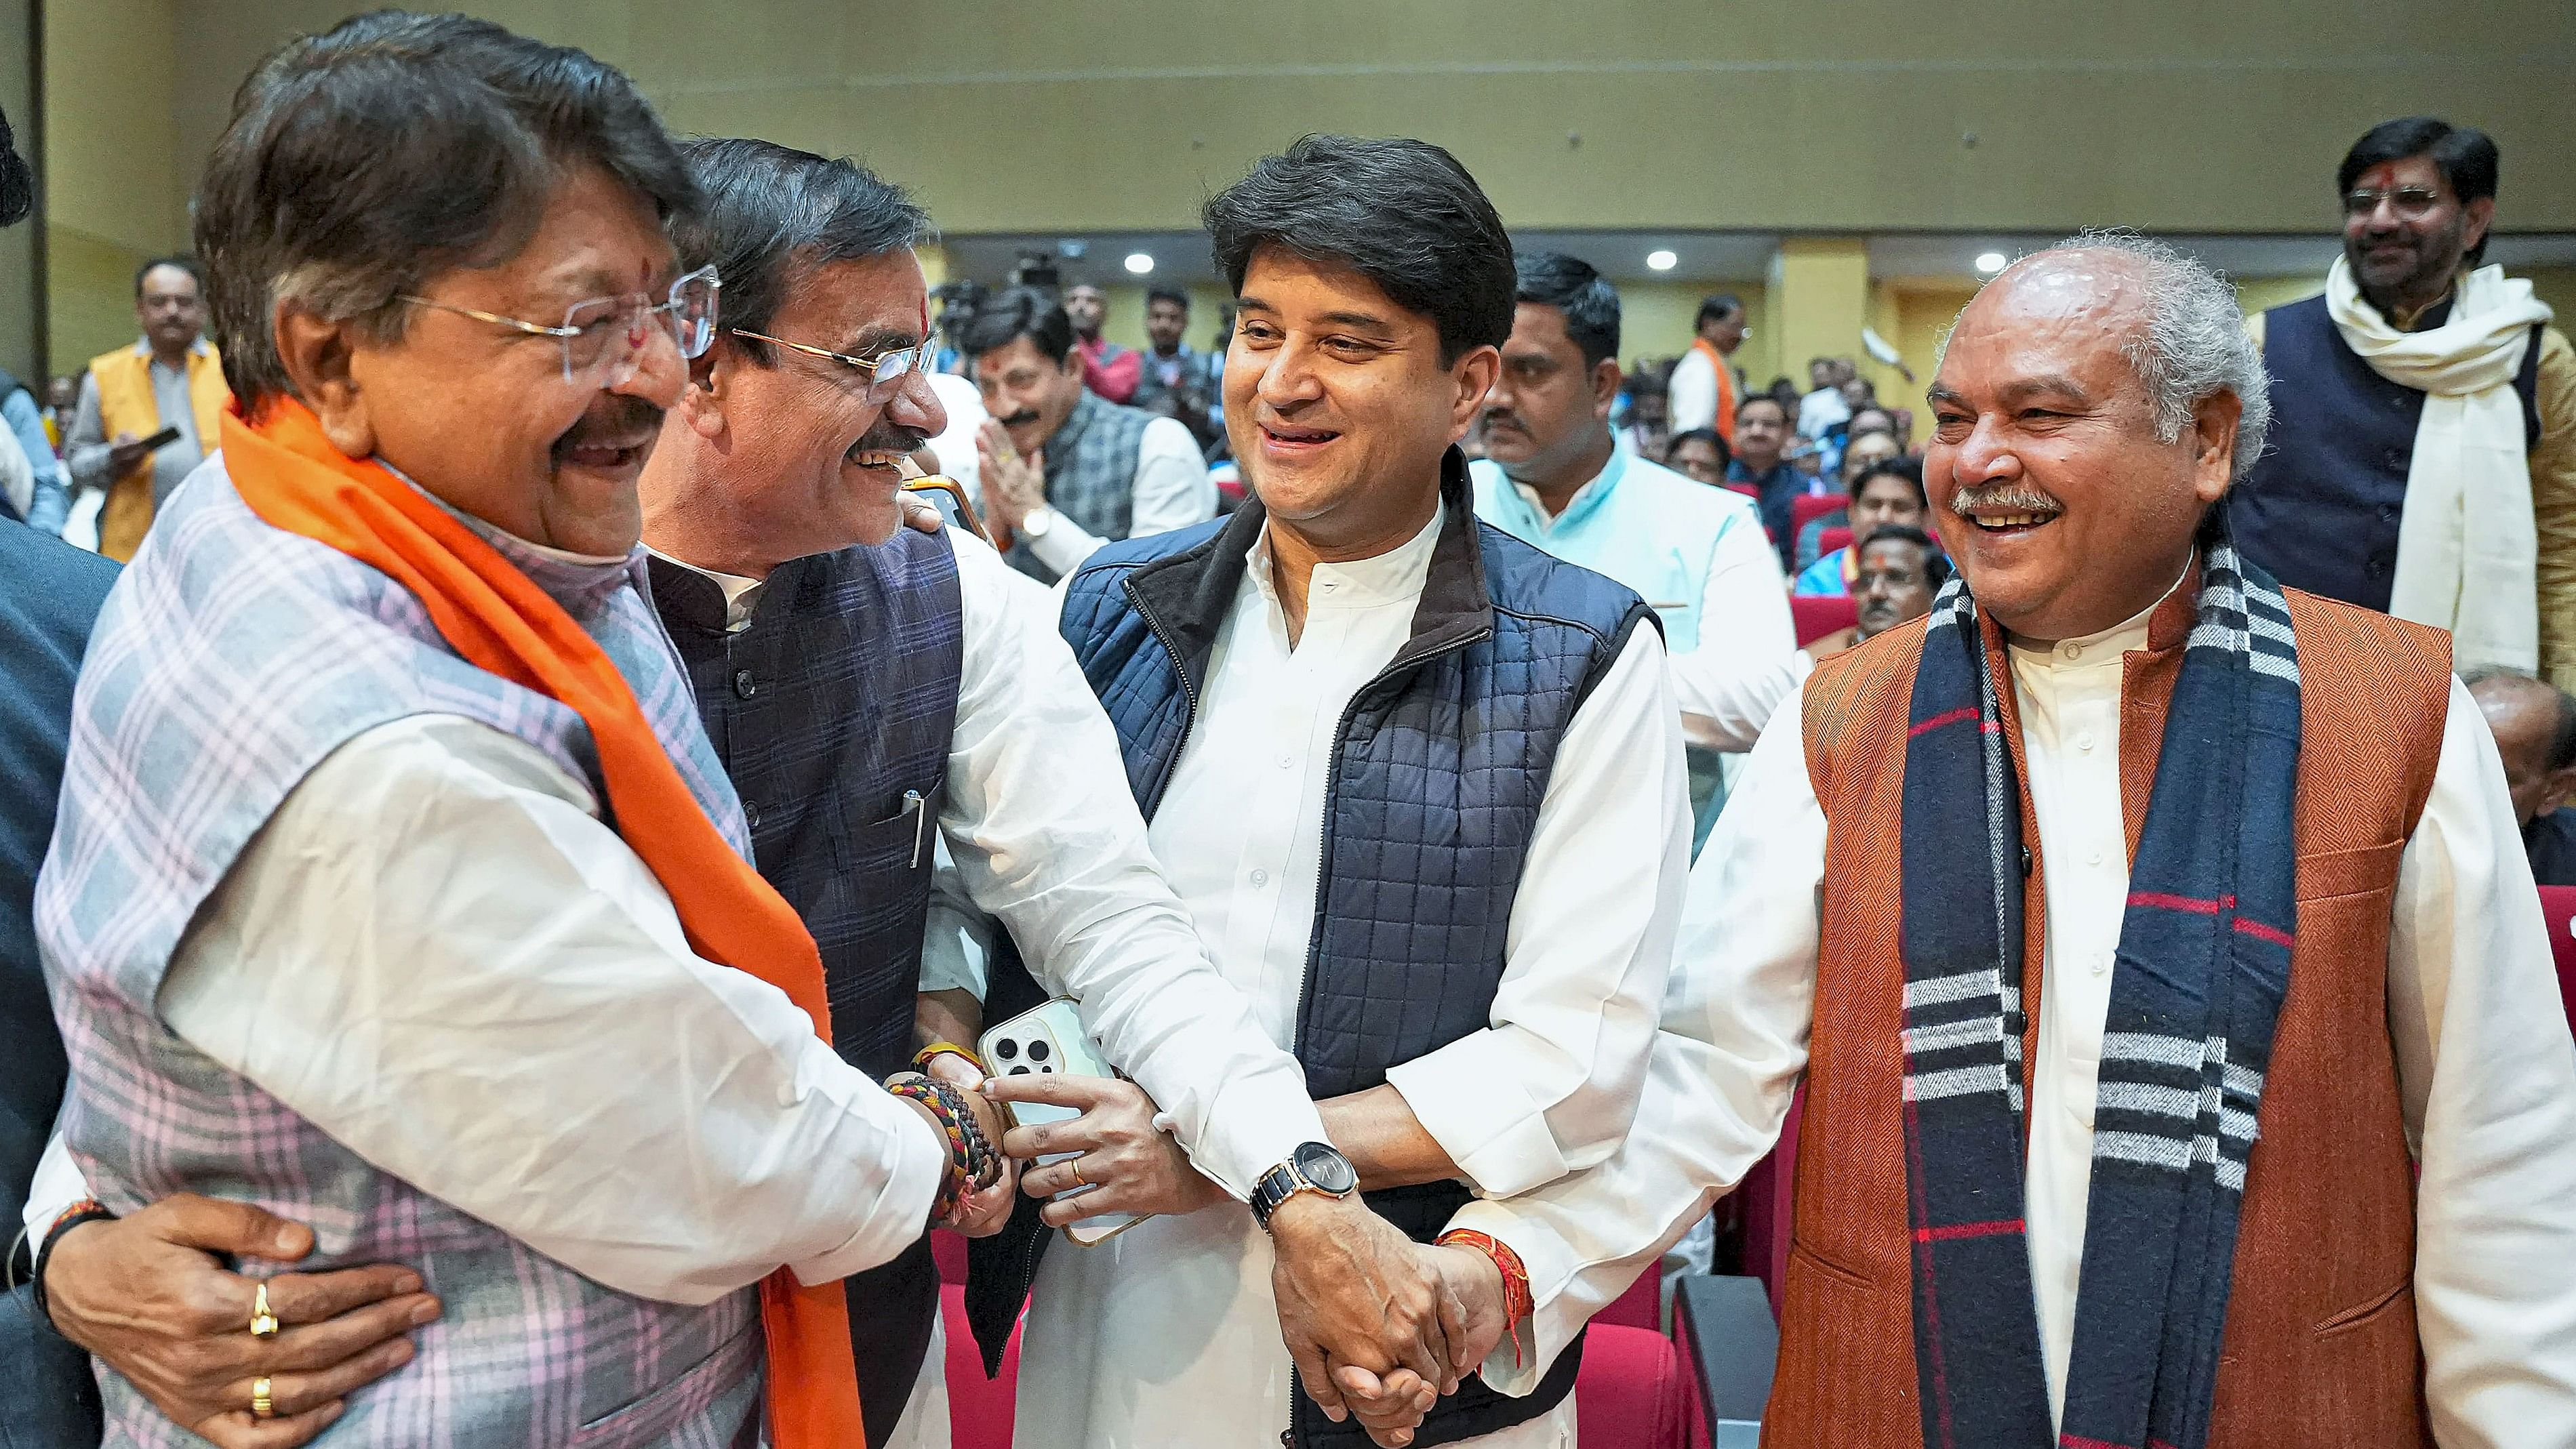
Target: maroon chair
1816	615
2558	908
1806	508
1766	1196
979	1409
1642	1306
1831	539
1631	1392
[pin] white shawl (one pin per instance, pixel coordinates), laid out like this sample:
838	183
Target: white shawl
2467	549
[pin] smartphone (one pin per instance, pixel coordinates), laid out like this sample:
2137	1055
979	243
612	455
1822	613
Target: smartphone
1049	1041
160	440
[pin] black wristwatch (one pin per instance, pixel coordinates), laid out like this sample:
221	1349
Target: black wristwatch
1313	1167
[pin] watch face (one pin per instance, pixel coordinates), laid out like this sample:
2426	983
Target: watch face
1319	1164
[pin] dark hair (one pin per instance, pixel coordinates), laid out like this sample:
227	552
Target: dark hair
2562	733
1571	286
17	184
1172	295
2465	156
770	216
1672	445
1717	309
1018	312
1403	214
1751	398
1872	406
1936	564
182	264
366	160
1910	470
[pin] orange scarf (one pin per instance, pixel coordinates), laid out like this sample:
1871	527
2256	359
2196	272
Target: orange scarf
489	612
1726	399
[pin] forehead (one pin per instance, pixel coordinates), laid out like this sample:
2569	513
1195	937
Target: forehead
1168	304
1016	355
1892	553
169	282
2404	171
1887	485
1324	292
1083	294
1761	410
877	300
1536	325
2065	314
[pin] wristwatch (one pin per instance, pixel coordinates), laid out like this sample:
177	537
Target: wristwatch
1313	1167
1038	521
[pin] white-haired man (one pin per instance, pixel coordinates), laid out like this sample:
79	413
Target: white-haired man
2124	858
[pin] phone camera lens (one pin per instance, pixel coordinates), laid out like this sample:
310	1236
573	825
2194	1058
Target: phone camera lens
1037	1051
1006	1049
1017	1072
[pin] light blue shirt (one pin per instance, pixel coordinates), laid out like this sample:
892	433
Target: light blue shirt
53	500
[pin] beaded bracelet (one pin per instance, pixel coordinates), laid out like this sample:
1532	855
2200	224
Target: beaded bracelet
87	1210
972	1162
1517	1304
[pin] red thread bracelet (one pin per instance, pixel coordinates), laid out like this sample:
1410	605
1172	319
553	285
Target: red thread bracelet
1517	1302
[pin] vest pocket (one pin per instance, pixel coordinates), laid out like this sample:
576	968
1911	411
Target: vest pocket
2358	871
2370	1310
1800	1255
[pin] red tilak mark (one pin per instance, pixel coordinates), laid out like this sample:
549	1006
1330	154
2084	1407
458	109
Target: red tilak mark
1937	721
1994	1229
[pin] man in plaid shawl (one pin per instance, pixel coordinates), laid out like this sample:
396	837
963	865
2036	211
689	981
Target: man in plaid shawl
2144	930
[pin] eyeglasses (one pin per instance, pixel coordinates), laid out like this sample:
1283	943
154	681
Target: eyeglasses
884	373
2412	202
603	338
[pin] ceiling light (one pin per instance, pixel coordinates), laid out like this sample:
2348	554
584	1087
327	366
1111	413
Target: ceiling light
1661	260
1140	262
1989	263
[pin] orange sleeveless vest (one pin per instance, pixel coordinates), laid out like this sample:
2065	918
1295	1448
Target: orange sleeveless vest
2321	1347
126	405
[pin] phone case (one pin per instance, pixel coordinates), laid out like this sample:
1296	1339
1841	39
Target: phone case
1049	1040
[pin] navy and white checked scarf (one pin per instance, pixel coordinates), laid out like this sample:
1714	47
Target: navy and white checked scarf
2204	960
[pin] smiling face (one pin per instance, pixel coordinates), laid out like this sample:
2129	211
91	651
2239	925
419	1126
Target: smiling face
1028	392
482	415
763	463
1337	403
1884	499
2404	248
1547	411
2047	481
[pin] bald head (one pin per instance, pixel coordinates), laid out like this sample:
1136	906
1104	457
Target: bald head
2091	404
2535	733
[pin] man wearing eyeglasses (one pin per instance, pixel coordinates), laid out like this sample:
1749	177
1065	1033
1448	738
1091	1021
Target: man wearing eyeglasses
396	890
2424	438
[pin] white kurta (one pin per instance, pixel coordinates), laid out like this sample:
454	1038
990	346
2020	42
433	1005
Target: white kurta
409	881
1168	1334
2484	1062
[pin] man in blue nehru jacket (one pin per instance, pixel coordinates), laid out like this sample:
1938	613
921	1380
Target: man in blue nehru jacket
1420	787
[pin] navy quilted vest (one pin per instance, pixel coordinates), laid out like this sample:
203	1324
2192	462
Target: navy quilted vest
2320	507
831	710
1444	760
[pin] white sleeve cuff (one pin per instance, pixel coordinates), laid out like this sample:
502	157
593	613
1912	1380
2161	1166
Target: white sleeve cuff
1467	1096
1065	546
900	1213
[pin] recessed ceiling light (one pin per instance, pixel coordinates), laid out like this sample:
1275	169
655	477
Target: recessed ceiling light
1989	263
1661	260
1140	262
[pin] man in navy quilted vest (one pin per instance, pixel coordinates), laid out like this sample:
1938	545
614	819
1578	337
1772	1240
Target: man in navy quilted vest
1421	788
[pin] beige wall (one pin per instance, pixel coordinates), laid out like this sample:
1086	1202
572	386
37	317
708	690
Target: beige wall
117	179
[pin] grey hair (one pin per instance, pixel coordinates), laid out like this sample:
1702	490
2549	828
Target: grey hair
2194	345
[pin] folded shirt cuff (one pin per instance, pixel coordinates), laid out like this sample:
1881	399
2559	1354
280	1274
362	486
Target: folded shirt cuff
900	1214
1466	1096
1244	1139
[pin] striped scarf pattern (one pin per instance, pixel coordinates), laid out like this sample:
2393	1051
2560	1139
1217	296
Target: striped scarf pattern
2203	965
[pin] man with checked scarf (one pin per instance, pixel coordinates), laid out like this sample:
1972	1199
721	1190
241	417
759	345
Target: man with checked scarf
2183	1062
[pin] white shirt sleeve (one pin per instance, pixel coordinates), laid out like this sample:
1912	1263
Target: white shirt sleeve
1047	838
956	938
56	1185
1748	659
2488	1076
1736	1015
1551	1085
436	953
1690	398
1172	491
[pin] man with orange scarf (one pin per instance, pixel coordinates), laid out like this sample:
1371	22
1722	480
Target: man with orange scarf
396	889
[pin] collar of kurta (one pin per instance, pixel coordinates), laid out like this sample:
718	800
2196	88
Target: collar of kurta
1190	593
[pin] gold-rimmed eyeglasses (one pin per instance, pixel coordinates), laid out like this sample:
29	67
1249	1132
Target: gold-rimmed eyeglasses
883	373
603	338
2412	202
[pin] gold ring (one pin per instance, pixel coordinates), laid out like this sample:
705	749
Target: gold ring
261	1406
263	1324
1075	1166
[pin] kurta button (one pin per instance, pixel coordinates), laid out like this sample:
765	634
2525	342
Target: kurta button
751	814
1261	877
744	685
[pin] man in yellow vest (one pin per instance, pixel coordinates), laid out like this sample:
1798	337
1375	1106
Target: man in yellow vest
171	378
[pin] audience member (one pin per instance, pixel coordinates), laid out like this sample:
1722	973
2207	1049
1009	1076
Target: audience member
62	407
1646	429
1787	394
1890	492
568	1112
2027	1152
171	379
1901	569
1761	464
1824	406
49	497
2425	460
2535	734
1871	418
1172	366
1699	455
1556	478
1365	677
1108	369
1865	450
1706	388
1065	470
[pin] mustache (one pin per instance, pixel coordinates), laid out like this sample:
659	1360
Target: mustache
620	421
2005	497
890	438
1024	415
1504	416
